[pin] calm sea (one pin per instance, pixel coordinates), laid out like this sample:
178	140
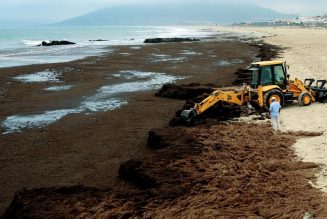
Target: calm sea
19	46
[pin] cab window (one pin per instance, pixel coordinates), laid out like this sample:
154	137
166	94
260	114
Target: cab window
279	75
266	76
255	77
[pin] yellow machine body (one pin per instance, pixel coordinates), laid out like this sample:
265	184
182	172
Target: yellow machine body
262	95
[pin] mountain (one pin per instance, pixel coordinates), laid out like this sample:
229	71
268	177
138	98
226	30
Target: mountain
176	13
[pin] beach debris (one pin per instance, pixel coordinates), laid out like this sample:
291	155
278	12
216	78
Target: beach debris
184	91
170	40
217	163
132	171
267	52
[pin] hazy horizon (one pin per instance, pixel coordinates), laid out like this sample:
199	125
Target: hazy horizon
35	12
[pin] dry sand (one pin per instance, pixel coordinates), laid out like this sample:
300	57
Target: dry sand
306	53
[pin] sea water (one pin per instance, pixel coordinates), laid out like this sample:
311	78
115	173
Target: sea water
19	47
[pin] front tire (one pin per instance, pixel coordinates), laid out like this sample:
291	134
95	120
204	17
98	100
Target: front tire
267	98
304	99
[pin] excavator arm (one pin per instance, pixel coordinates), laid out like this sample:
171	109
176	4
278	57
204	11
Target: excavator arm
230	97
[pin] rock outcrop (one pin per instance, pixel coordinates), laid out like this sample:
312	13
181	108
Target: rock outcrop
170	40
56	43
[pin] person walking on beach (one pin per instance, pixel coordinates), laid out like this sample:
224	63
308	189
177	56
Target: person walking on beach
274	110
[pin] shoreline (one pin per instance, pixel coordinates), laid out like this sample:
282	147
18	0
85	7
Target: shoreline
187	179
25	51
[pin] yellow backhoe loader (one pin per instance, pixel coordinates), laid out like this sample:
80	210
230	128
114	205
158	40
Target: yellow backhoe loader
268	79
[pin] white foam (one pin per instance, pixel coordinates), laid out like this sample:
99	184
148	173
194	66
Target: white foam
160	55
43	76
17	123
33	42
156	80
237	61
59	88
133	74
189	52
135	47
102	105
226	63
223	63
166	58
103	100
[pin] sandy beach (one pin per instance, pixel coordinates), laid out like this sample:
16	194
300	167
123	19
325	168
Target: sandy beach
306	53
129	163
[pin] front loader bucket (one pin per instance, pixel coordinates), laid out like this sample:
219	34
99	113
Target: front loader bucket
320	90
188	116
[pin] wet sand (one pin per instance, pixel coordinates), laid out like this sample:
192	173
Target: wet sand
87	148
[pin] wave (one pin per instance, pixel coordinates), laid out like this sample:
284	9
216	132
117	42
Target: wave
24	50
33	42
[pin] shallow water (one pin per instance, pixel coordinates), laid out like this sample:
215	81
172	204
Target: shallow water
105	99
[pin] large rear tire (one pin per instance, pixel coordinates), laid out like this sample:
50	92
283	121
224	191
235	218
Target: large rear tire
268	96
304	99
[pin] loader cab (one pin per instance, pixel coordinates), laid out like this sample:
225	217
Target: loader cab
268	73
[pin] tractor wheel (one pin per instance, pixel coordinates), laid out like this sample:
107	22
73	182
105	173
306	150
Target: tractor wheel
304	99
268	96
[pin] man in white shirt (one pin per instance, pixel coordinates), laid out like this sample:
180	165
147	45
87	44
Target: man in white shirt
274	109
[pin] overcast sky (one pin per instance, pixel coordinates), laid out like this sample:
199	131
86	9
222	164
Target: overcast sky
56	10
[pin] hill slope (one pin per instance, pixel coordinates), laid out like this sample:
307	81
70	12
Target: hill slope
187	13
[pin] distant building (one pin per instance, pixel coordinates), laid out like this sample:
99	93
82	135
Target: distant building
312	21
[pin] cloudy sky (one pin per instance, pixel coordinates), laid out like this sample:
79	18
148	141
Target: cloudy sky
55	10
